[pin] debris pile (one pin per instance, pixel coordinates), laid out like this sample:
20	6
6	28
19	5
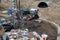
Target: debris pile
21	35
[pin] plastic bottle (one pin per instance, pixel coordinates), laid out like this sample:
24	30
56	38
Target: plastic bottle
44	36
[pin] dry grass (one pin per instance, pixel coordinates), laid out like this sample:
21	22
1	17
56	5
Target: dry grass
51	13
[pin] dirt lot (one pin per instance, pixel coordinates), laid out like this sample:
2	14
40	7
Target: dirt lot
51	13
45	27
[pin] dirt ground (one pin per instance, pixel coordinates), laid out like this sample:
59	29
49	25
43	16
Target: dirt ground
51	13
45	27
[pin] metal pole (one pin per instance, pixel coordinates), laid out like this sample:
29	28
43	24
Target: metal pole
19	4
21	15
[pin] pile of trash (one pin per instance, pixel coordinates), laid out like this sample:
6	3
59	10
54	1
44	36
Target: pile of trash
25	24
19	34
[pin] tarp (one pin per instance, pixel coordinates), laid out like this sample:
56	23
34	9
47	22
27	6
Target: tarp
10	11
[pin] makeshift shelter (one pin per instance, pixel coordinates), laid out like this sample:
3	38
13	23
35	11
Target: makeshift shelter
42	5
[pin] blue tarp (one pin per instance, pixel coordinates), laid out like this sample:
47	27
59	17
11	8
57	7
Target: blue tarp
10	11
1	22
